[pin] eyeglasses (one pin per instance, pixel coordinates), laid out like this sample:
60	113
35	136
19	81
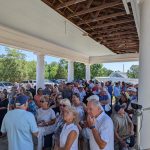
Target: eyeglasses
62	105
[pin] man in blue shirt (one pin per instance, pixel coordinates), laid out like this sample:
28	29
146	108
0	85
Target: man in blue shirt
104	99
117	91
19	126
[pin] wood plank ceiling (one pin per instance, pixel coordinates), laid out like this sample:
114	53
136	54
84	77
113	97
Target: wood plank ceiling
105	21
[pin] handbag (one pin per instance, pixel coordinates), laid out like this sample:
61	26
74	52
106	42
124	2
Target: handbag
130	141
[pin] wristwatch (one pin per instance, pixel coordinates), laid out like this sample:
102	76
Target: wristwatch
92	127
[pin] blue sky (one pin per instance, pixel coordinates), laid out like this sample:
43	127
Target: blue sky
113	66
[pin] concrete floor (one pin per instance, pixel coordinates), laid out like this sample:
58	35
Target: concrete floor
3	144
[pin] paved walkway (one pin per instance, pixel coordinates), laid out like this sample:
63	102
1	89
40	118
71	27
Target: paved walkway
3	144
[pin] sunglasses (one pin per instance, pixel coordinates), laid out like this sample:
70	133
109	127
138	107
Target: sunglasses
62	105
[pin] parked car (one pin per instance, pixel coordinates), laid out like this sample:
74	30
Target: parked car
6	85
33	82
48	82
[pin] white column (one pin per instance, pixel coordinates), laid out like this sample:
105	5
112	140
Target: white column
70	71
88	72
144	72
40	71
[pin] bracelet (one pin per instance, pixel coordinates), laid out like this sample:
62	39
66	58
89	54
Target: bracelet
92	127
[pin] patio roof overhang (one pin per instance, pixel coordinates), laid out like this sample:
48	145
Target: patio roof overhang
34	26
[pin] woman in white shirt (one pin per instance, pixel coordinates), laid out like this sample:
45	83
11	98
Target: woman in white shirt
45	120
70	133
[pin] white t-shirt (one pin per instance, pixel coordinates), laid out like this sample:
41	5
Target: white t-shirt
104	125
64	134
46	115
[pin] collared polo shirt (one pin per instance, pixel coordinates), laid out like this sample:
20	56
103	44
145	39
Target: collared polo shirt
104	126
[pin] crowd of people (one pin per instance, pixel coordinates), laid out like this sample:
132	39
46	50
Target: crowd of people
70	116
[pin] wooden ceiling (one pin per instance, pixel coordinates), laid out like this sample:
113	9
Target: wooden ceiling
105	21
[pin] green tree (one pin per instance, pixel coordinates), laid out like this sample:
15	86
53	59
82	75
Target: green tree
62	69
51	70
106	72
31	70
133	71
96	70
79	70
13	66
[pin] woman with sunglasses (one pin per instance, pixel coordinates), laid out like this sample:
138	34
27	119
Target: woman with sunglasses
45	120
70	133
63	103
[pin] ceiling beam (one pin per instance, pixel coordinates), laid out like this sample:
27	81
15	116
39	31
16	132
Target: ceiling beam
93	9
126	47
118	38
89	3
111	43
102	18
68	3
110	24
123	40
120	43
117	34
113	30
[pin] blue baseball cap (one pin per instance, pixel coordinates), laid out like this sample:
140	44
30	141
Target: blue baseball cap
21	99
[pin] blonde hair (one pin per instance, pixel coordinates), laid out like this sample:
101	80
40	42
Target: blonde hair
75	113
45	98
65	102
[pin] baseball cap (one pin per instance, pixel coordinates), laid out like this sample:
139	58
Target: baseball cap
131	89
21	99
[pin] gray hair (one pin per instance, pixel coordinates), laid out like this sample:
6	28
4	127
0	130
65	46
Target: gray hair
95	100
95	97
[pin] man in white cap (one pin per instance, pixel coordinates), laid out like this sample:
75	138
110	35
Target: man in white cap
20	125
132	93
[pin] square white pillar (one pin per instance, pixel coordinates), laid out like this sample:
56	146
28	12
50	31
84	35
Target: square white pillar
70	71
144	73
40	69
88	72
